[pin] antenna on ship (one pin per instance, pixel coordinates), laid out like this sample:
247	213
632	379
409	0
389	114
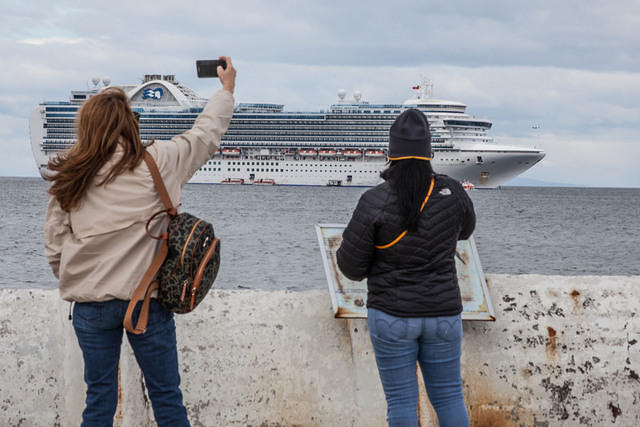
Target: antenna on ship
106	80
425	88
95	80
535	130
341	94
357	95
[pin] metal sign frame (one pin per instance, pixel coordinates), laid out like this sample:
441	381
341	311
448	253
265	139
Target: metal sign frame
348	298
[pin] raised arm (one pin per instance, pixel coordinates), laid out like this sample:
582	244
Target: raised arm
189	151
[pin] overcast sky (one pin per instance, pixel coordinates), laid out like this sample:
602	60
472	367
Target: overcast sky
570	67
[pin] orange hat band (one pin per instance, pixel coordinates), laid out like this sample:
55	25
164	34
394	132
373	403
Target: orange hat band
409	157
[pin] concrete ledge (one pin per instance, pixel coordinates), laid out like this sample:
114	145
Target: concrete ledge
564	351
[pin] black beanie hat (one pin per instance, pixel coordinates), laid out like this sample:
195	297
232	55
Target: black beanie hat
409	136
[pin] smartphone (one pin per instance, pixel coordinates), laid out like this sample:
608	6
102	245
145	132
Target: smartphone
209	67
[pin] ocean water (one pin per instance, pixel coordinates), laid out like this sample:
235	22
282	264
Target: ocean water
269	241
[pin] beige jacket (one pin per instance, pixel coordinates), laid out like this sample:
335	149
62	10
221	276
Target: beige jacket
100	250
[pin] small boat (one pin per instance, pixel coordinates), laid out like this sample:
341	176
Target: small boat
231	152
264	181
467	185
327	153
307	153
232	181
217	153
352	153
374	153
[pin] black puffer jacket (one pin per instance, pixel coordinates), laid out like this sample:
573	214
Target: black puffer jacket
416	277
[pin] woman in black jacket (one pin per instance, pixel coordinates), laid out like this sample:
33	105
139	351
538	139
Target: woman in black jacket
402	238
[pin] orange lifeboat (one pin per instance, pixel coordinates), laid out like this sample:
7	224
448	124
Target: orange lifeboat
374	153
467	185
231	152
352	153
264	181
328	153
232	181
308	153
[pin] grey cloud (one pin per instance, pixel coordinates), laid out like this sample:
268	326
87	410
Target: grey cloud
571	66
587	34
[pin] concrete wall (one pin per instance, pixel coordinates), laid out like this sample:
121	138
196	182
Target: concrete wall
564	351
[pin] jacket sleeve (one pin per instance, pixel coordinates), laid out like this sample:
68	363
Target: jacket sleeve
468	216
57	228
187	152
356	252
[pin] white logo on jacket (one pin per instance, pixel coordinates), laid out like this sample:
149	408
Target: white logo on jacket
445	192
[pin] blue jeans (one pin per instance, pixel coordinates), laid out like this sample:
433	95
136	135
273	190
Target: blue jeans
435	343
98	326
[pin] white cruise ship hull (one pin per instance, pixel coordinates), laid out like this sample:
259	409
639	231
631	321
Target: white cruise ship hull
495	169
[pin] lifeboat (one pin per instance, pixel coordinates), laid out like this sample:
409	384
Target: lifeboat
467	185
232	181
217	153
374	153
352	153
264	181
231	152
327	153
308	153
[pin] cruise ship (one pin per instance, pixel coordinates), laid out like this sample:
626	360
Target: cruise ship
345	145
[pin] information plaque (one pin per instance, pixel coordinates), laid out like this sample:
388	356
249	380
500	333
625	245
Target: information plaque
349	298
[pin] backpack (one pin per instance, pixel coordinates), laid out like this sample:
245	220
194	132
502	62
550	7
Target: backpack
184	267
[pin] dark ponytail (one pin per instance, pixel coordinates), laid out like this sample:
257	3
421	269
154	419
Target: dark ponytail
410	179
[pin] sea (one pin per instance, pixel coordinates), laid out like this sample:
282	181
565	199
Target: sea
269	240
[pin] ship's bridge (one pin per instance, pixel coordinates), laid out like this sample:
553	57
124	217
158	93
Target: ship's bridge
435	105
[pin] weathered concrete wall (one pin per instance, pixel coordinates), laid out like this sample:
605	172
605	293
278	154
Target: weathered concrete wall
564	351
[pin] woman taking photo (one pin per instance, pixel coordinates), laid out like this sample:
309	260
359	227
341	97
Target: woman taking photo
402	238
101	196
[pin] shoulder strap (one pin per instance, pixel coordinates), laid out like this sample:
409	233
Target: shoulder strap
157	180
147	285
143	292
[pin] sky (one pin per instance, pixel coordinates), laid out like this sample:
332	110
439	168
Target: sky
563	76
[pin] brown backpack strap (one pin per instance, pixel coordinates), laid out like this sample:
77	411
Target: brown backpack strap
159	183
146	286
143	291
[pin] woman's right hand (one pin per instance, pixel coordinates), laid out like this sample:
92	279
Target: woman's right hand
227	75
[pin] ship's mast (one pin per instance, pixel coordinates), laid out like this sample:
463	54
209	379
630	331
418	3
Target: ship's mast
425	90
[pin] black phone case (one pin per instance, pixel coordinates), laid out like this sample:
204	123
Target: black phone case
209	67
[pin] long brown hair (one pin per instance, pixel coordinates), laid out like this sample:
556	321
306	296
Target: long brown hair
104	122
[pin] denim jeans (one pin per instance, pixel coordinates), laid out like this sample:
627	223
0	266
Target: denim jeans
98	326
434	343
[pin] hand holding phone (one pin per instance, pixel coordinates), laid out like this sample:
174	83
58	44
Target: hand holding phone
221	68
209	67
